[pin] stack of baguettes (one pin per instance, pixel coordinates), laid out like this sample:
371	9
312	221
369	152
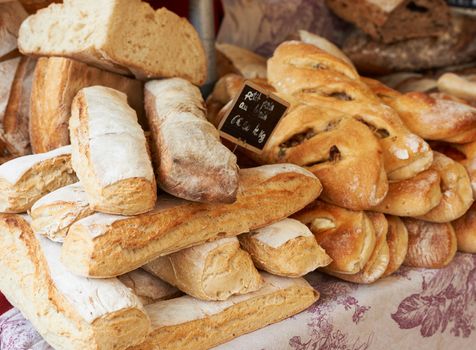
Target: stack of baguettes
92	254
388	199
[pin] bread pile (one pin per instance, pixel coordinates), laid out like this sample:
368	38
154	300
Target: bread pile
131	226
388	197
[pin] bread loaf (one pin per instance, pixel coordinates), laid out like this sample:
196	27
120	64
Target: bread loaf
430	245
379	259
159	43
190	161
179	323
26	179
319	78
53	214
56	81
397	240
110	154
149	289
455	188
109	245
465	230
347	236
412	197
70	312
11	15
210	271
391	21
235	59
458	86
286	248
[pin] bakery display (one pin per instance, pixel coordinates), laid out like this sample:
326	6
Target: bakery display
70	312
110	153
26	179
190	161
286	248
84	35
56	81
210	271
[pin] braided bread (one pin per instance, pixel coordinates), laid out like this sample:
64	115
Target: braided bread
316	77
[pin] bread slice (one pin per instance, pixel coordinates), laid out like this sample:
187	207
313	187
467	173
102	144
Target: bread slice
123	36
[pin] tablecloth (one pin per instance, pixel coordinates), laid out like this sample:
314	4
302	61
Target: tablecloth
413	309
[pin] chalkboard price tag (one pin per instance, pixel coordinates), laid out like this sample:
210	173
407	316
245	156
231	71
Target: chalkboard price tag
253	117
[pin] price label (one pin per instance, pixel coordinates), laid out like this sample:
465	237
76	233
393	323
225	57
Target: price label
254	115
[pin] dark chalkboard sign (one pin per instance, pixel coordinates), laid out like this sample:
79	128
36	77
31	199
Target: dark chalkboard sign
254	115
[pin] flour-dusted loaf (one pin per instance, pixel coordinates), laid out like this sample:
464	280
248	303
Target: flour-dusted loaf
53	214
109	245
11	15
188	323
190	161
286	248
56	81
110	154
26	179
210	271
347	236
70	312
397	240
394	20
235	59
148	288
123	36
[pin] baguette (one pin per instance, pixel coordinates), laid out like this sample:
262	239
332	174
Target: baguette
347	236
179	324
465	231
109	245
70	312
286	248
110	154
12	14
53	214
190	161
26	179
397	240
56	81
122	36
430	245
148	288
210	271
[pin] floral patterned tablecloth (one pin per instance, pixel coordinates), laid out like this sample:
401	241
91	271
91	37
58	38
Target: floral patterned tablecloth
413	309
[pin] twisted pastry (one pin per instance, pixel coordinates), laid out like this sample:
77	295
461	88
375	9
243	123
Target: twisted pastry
315	77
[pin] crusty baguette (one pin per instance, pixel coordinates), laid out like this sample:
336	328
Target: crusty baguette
26	179
53	214
414	196
379	259
110	153
123	36
148	288
70	312
397	240
12	14
286	248
235	59
56	81
347	236
190	161
430	245
109	245
210	271
179	324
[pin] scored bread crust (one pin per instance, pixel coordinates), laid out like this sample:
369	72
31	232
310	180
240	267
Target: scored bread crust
347	236
56	81
109	245
180	323
210	271
119	36
110	153
286	248
319	78
70	312
430	245
397	240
